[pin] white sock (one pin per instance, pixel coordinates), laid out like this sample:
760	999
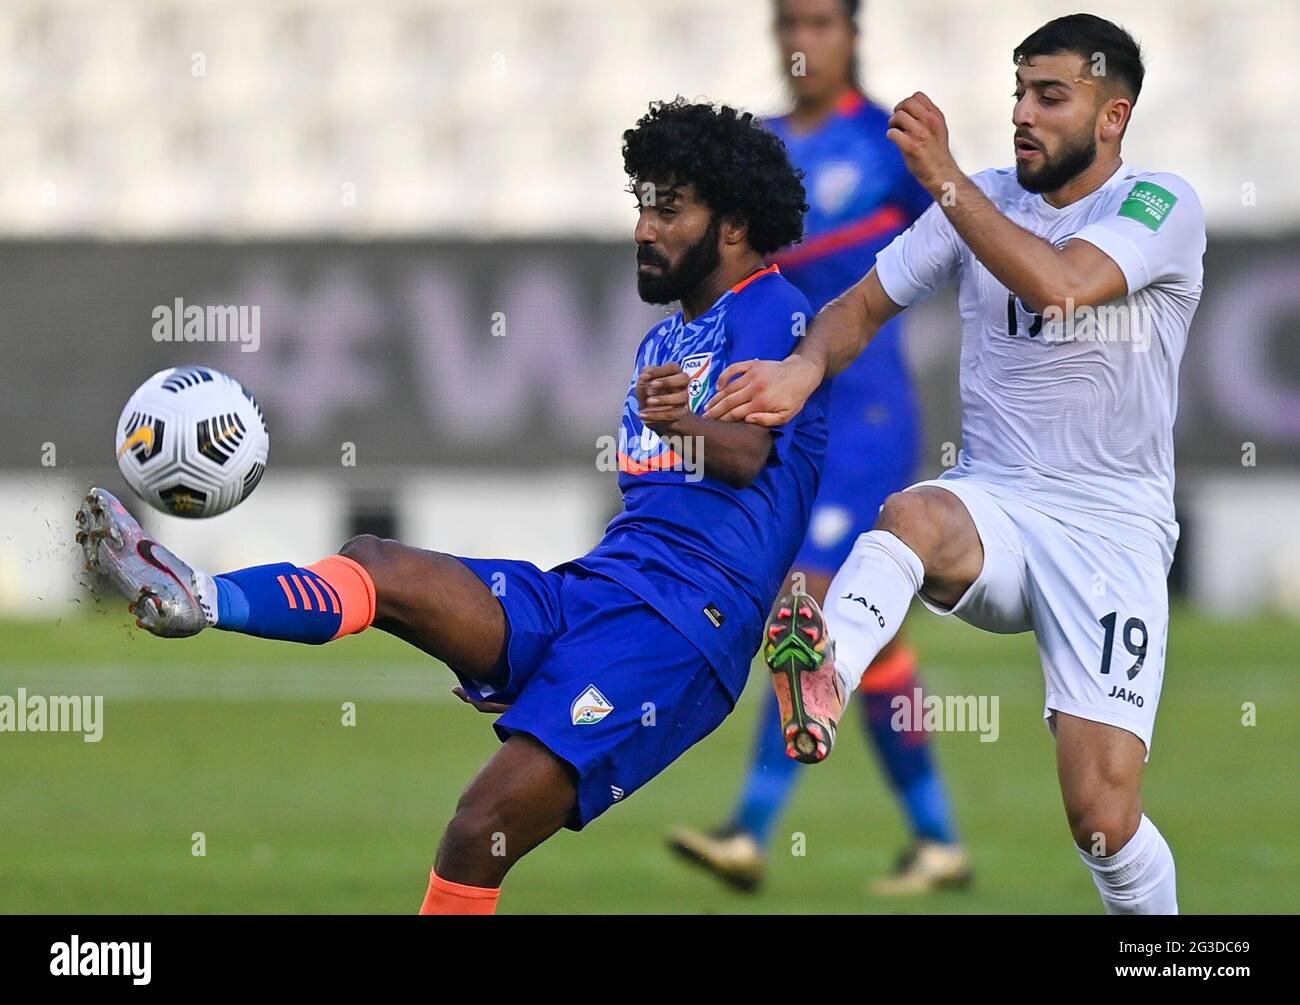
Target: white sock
205	592
1139	878
868	600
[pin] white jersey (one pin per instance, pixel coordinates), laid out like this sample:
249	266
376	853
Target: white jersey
1074	415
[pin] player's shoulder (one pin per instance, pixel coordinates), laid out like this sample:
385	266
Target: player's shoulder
768	293
767	306
1165	190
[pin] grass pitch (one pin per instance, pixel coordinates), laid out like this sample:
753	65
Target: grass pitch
241	741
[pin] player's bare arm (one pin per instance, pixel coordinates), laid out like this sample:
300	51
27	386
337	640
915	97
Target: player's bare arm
732	453
1040	274
771	392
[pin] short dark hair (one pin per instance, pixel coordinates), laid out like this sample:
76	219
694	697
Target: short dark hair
1088	36
738	168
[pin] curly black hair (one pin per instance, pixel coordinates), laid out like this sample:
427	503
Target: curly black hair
738	168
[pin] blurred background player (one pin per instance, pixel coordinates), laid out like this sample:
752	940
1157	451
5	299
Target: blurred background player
861	196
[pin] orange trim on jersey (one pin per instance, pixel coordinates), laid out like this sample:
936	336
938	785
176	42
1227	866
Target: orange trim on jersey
882	221
306	600
757	275
667	461
849	102
891	673
288	593
354	588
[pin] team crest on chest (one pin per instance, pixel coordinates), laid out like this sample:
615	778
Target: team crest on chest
699	368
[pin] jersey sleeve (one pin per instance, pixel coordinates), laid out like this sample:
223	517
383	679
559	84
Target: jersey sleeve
922	259
766	325
1154	230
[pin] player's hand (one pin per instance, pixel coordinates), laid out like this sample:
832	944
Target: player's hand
765	392
488	707
919	130
663	396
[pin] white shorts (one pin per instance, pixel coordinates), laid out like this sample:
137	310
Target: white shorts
1099	610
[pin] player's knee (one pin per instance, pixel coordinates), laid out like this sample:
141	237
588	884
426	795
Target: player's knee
381	558
368	551
1102	826
475	844
914	518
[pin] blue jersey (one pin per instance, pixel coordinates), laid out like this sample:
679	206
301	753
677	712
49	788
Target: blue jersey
861	196
708	556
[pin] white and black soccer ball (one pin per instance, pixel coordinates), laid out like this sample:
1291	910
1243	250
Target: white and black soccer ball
192	442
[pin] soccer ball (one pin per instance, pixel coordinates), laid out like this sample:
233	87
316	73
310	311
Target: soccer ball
192	442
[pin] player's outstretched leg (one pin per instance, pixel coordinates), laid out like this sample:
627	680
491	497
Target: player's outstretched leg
431	600
802	660
162	589
924	539
523	795
169	598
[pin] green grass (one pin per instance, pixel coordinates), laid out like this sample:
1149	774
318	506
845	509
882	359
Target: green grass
241	740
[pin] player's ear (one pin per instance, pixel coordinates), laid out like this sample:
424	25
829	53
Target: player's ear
734	230
1115	114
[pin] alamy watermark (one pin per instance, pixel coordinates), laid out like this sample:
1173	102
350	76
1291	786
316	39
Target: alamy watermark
953	713
651	452
57	713
182	322
1120	322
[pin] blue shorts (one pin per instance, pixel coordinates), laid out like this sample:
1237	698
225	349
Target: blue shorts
859	473
597	676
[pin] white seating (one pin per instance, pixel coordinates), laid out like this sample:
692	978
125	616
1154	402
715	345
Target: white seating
495	117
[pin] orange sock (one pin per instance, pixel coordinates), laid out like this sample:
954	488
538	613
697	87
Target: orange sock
355	588
445	897
891	673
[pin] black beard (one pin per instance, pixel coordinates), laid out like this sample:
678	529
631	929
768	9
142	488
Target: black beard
697	263
1068	165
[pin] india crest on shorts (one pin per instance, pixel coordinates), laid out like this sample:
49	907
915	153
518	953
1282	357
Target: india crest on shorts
699	368
590	707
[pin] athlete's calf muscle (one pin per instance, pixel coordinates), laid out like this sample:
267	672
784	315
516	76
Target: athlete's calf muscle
433	602
1100	768
522	796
